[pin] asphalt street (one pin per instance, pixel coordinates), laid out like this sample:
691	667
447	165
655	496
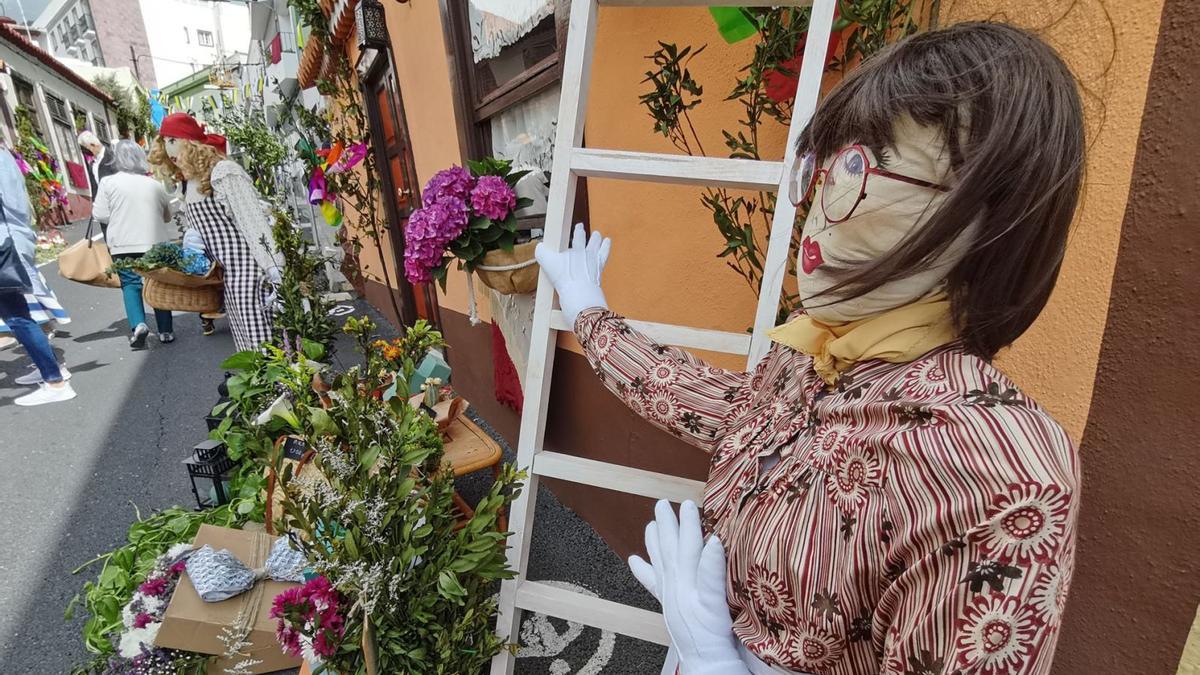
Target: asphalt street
71	475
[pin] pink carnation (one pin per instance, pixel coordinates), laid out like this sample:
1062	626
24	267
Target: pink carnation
493	198
156	586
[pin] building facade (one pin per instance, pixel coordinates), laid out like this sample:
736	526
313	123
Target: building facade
162	41
114	37
185	36
1112	357
60	104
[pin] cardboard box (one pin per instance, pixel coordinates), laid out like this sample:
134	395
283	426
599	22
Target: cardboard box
197	626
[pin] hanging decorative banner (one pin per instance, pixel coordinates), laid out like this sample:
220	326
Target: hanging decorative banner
327	162
733	23
331	214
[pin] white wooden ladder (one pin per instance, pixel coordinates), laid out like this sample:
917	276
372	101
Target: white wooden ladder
572	161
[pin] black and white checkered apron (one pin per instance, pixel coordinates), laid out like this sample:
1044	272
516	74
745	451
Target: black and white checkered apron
245	293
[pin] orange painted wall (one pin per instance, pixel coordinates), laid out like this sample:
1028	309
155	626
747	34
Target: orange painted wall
664	268
423	70
1109	46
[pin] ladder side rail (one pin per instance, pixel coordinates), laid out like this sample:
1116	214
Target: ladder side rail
576	78
775	266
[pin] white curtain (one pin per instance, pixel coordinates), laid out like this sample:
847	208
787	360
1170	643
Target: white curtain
495	24
524	134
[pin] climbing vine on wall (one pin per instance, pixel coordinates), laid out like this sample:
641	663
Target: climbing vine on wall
765	88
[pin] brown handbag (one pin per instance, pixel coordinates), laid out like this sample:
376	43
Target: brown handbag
87	262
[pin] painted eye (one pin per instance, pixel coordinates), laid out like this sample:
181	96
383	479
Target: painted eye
853	163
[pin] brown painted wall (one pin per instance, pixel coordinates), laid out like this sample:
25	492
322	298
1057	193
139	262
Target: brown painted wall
1137	579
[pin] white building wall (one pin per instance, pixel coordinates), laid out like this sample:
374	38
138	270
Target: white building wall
176	31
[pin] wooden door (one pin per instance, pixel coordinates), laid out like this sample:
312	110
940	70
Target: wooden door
398	183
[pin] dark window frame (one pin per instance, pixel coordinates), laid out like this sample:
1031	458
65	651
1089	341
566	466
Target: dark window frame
474	111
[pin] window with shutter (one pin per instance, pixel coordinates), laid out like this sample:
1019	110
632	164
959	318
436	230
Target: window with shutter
58	109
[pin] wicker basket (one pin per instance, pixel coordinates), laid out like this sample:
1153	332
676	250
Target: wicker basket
166	275
174	298
510	272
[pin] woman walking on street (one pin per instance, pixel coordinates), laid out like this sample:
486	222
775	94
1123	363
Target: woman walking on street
137	209
14	310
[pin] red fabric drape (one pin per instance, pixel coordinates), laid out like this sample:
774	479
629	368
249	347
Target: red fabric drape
78	174
504	373
277	49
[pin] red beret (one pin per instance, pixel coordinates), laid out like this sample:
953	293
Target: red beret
217	141
182	125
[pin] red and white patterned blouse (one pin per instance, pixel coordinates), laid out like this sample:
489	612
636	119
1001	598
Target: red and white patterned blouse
916	519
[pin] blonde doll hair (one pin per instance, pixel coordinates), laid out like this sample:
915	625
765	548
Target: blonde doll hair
196	161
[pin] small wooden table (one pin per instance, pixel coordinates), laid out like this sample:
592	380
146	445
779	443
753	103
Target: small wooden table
469	449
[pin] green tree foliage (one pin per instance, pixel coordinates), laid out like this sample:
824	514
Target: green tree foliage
131	106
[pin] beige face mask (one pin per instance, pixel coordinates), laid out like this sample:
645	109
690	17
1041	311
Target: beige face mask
891	209
174	147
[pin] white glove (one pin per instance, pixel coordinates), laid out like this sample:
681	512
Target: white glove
687	576
576	272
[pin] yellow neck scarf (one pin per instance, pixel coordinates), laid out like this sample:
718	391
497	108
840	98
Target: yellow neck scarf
897	336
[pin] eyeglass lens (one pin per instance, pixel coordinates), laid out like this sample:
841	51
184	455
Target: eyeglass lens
844	183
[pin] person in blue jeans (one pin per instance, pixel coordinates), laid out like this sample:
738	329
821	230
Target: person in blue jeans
14	212
137	209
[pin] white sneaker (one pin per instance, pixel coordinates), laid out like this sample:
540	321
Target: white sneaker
47	394
36	376
138	339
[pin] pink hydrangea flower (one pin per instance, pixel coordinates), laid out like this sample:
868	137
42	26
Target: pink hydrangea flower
455	182
493	198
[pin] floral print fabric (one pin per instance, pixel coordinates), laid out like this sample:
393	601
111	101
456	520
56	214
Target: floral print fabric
916	519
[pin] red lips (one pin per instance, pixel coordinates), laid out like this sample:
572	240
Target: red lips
810	255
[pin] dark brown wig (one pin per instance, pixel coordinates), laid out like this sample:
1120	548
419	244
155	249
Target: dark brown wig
1011	114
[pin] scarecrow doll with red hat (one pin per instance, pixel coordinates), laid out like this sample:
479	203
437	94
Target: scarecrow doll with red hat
223	205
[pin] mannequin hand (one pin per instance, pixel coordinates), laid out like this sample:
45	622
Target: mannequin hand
576	272
687	576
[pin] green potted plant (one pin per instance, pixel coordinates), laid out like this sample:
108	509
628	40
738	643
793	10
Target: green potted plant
413	582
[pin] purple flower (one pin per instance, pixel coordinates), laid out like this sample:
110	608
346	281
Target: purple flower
142	620
493	198
455	182
455	216
426	235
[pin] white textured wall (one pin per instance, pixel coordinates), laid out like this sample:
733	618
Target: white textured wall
176	57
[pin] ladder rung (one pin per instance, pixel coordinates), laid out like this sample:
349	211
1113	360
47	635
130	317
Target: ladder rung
705	3
616	477
681	169
604	614
721	341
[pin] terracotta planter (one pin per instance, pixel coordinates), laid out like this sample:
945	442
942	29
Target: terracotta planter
510	272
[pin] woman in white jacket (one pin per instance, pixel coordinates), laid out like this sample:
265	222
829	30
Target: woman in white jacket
137	209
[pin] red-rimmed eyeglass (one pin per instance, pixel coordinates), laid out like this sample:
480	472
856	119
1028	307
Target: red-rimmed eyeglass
844	182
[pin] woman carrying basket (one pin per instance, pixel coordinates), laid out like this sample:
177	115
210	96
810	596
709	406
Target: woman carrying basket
137	210
223	206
